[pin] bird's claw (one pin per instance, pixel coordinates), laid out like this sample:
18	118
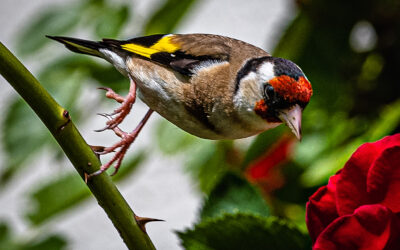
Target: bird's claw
112	95
121	112
101	129
111	123
108	116
126	140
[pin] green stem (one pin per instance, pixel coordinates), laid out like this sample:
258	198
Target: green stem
57	120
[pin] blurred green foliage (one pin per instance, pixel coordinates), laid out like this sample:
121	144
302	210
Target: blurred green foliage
350	52
244	231
9	241
233	194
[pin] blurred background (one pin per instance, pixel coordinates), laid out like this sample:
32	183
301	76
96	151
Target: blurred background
349	50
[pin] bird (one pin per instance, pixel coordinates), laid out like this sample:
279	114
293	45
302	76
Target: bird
211	86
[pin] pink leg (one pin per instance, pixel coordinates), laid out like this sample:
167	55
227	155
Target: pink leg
124	109
124	144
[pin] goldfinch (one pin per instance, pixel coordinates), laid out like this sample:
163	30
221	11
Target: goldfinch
211	86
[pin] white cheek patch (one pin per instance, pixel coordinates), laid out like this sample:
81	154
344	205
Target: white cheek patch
252	76
251	87
249	93
115	59
266	72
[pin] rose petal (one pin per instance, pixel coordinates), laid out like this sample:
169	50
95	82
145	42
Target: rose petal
352	187
370	227
383	180
321	208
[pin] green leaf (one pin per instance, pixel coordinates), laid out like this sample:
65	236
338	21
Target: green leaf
53	242
68	90
387	122
67	191
5	237
111	21
207	162
292	43
101	72
244	231
57	196
19	142
234	194
172	140
168	16
4	232
41	242
52	22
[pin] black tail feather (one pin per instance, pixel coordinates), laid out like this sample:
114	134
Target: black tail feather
80	45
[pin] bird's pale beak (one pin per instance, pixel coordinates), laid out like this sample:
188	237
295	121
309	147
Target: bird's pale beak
292	118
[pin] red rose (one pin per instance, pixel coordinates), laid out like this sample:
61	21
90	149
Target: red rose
360	206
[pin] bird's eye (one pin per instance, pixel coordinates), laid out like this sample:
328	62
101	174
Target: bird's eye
269	92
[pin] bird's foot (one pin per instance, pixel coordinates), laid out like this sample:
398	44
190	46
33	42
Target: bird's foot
121	147
117	117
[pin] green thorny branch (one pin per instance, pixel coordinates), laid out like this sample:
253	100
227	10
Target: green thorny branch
59	123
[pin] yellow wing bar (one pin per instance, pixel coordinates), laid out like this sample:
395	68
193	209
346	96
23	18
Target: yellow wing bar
162	45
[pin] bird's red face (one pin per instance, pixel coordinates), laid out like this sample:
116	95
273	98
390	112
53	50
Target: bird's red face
284	99
292	90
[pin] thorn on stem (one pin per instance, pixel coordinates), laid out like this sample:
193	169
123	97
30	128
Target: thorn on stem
68	117
66	114
142	221
97	149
